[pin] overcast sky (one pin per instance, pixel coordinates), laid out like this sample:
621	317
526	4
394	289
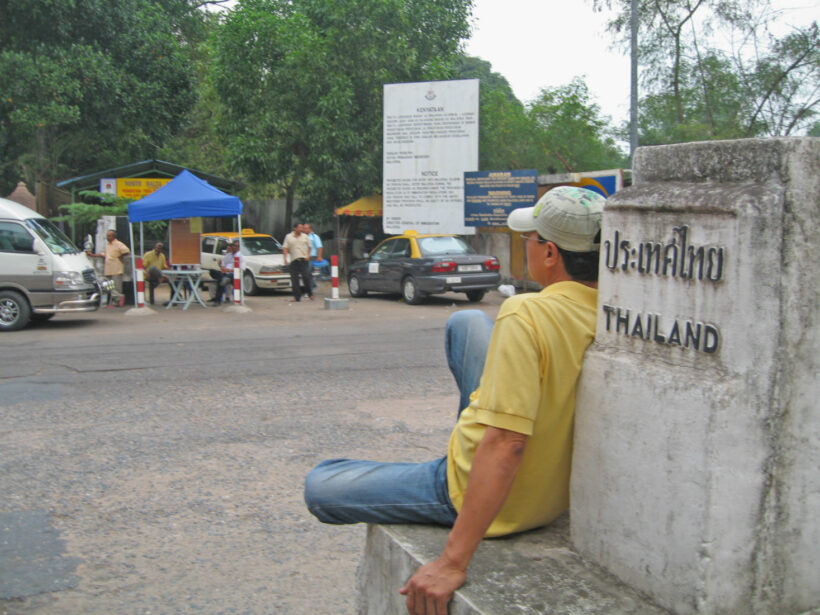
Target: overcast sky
542	43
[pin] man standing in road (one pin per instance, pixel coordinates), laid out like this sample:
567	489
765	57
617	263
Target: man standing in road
296	250
507	466
153	263
114	269
226	267
316	249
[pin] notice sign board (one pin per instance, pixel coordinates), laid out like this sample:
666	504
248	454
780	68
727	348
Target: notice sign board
132	187
490	196
430	140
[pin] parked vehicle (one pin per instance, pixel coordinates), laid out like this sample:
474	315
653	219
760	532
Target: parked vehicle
42	273
420	265
264	262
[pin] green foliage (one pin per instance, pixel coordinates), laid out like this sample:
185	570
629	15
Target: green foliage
86	213
470	67
507	135
574	135
710	101
786	79
300	87
197	144
712	69
89	212
90	83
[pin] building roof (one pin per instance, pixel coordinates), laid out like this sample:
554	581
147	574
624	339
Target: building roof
22	195
147	168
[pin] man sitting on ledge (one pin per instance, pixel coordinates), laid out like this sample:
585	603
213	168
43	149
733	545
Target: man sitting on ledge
507	466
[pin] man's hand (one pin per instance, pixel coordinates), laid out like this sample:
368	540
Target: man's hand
429	590
495	465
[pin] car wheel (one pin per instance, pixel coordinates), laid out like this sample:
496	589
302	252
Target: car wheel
410	291
474	296
14	311
249	284
354	284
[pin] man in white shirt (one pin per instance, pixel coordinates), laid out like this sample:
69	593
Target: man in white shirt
226	267
296	250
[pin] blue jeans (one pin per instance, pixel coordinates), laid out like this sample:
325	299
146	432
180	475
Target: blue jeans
352	491
466	339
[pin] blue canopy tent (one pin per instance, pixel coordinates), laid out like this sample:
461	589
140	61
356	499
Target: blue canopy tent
185	196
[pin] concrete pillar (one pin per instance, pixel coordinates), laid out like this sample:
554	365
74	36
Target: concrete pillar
696	473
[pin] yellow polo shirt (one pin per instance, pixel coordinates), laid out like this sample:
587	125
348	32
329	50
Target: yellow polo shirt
114	251
152	259
528	386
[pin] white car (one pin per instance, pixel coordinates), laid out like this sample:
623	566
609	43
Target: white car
264	262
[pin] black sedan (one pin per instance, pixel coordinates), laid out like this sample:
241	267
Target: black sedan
419	265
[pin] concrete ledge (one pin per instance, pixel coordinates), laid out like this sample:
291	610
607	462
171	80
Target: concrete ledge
529	574
335	304
140	311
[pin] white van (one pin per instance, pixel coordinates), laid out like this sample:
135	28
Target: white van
41	272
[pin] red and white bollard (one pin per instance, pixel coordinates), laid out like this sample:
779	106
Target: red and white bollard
334	275
140	284
237	281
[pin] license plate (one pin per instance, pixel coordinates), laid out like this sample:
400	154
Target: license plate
454	280
469	267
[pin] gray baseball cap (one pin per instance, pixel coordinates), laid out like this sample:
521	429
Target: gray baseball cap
568	216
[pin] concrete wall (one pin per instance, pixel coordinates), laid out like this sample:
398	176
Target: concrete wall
494	244
696	475
266	216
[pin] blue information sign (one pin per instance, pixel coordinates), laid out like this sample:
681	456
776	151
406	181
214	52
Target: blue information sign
490	196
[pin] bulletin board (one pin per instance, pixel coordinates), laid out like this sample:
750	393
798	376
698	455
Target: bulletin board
184	244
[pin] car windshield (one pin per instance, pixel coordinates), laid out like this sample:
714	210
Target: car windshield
53	237
437	246
260	246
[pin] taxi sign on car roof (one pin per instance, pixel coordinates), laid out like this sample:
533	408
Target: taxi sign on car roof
246	232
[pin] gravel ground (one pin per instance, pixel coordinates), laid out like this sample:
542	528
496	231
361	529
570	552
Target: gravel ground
155	464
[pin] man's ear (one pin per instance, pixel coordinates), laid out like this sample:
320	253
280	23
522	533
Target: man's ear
553	261
551	253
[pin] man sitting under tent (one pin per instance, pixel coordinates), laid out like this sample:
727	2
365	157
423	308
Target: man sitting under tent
224	277
153	263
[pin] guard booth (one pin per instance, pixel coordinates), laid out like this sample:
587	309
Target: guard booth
358	229
135	181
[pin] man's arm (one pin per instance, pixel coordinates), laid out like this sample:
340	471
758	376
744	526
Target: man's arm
320	247
495	465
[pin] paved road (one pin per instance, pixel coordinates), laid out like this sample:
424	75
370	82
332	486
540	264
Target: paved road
155	464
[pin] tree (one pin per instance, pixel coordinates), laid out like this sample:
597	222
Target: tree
197	143
712	69
301	87
787	80
506	134
573	135
90	83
